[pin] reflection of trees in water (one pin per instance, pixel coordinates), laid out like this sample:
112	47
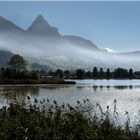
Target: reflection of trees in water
95	88
20	93
52	87
101	88
123	87
34	91
108	87
80	87
130	87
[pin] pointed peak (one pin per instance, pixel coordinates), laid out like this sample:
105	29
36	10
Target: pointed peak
40	17
42	27
39	20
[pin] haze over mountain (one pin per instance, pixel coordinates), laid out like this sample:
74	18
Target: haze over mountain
5	57
43	45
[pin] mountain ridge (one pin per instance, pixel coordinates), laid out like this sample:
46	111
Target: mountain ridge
43	45
40	27
8	25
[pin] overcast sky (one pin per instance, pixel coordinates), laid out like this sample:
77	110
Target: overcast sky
113	25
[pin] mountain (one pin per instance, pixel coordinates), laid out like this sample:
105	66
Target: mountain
41	27
5	57
129	54
6	25
79	41
43	46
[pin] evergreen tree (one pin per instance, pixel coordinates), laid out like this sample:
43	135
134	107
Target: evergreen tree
130	73
95	72
120	73
80	73
108	73
101	73
88	74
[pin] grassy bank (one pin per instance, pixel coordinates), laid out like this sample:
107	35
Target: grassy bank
43	120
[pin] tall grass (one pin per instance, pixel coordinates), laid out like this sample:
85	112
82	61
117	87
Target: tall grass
46	120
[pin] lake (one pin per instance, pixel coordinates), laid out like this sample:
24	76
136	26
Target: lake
126	92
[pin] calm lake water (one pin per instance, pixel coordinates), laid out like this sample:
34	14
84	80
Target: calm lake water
126	92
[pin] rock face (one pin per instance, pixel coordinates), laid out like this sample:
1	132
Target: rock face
43	46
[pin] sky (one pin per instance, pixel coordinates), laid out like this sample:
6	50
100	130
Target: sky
112	25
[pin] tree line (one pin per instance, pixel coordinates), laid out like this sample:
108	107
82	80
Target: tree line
104	74
17	70
118	73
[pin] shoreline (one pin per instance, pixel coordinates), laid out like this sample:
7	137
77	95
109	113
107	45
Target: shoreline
48	83
35	82
31	85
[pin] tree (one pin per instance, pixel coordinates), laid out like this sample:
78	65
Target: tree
17	63
80	73
88	74
130	73
137	74
2	73
108	73
33	74
66	73
120	73
101	73
43	72
51	73
59	73
95	72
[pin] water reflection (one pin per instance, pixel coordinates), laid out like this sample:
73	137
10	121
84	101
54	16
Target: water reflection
66	92
127	94
80	87
21	92
101	88
130	87
10	93
121	87
95	88
108	87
